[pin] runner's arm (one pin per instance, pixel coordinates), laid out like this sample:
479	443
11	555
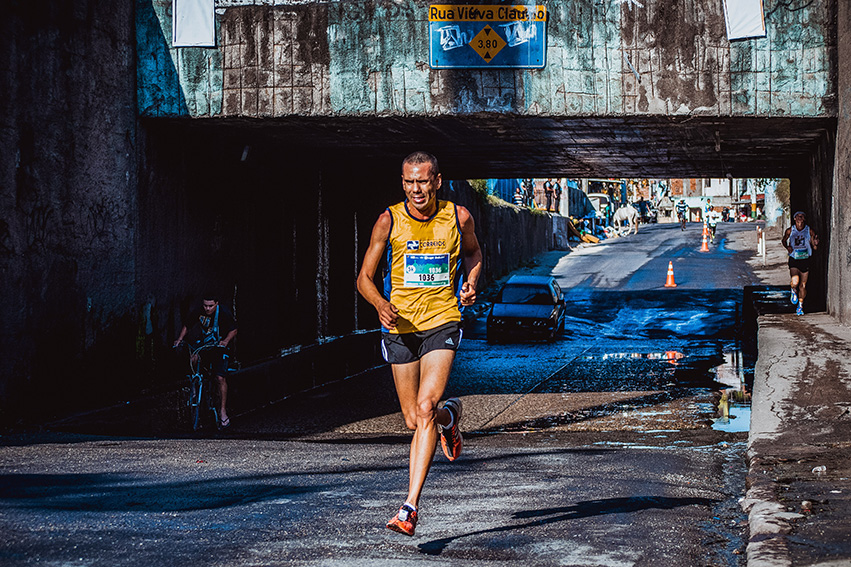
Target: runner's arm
813	239
387	312
472	253
785	239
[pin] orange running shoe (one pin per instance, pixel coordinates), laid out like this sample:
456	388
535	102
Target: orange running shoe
451	440
405	521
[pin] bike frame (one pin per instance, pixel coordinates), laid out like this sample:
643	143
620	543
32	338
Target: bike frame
200	387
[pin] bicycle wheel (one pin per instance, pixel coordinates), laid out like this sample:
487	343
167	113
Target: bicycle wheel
210	402
196	394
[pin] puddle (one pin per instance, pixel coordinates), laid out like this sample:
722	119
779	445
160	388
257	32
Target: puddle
738	420
669	356
734	411
734	405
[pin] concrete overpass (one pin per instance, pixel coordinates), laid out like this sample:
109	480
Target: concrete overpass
144	172
643	89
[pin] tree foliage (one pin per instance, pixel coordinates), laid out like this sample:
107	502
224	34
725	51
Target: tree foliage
782	192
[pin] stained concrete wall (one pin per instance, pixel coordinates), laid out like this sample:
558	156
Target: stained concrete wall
498	225
67	199
839	272
607	57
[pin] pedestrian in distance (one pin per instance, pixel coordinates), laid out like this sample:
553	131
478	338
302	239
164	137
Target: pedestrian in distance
642	210
548	193
430	246
213	324
557	196
800	241
529	192
518	197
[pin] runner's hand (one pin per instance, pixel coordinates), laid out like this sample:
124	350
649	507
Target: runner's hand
388	314
468	294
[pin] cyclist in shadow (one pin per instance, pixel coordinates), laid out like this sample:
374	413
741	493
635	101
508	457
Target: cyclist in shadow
212	324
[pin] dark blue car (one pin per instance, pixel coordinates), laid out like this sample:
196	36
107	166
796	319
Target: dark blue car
527	308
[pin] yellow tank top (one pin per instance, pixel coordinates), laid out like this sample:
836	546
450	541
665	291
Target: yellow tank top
424	268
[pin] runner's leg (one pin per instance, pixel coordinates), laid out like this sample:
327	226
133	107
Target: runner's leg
802	287
795	275
407	380
422	391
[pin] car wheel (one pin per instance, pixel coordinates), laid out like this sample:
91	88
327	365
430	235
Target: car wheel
553	335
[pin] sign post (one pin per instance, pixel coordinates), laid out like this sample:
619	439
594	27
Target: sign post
487	37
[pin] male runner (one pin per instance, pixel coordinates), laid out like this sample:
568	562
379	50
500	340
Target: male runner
428	245
800	241
712	218
682	211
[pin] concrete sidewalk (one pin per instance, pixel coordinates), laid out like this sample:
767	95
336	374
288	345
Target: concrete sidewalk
799	446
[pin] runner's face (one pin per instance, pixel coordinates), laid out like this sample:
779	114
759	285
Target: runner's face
209	306
420	187
799	222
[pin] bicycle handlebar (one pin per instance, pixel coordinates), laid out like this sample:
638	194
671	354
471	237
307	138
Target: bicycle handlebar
205	347
199	348
194	354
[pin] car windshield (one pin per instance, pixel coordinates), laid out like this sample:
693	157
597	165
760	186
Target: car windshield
530	294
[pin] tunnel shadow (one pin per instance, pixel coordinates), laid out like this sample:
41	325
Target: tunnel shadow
585	509
124	492
368	395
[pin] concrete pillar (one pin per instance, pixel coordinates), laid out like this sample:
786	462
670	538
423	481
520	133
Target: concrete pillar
839	261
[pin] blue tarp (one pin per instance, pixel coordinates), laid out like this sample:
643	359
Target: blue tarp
504	188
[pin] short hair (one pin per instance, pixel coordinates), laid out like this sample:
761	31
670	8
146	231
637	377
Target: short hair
422	157
802	213
207	296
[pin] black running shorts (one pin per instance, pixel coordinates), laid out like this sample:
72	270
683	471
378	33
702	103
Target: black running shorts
402	348
802	266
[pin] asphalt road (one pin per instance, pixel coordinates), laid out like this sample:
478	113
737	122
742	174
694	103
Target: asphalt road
597	449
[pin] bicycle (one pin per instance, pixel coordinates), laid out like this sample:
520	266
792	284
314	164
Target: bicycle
201	393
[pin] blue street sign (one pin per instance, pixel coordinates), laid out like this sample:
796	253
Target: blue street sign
487	37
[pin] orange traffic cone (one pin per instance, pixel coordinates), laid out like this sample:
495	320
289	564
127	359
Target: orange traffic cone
670	282
705	230
704	247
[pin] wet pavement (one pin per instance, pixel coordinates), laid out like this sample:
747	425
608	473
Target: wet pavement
537	499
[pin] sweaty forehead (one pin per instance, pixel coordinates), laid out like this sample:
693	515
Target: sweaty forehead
417	170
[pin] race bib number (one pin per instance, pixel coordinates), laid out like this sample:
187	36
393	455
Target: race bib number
426	270
799	254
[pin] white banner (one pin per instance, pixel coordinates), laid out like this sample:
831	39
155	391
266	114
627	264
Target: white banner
194	23
745	19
